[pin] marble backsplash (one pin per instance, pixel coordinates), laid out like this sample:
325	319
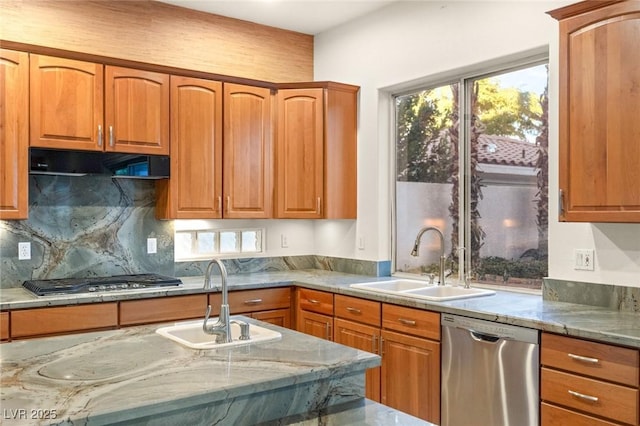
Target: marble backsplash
620	298
82	227
98	226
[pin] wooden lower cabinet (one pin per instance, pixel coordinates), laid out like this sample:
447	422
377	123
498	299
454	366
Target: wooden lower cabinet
318	325
4	326
588	383
365	338
63	319
175	308
271	305
314	313
550	415
279	317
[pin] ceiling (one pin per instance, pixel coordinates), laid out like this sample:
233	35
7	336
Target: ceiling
304	16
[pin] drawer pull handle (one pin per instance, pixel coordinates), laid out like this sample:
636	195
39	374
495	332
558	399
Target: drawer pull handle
354	310
313	301
583	396
584	359
406	321
252	301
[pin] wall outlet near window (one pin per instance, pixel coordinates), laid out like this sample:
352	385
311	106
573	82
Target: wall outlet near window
24	251
152	245
584	259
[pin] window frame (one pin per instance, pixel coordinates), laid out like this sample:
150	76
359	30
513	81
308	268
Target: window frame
238	253
464	78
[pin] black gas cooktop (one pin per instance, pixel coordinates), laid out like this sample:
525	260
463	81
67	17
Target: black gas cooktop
99	284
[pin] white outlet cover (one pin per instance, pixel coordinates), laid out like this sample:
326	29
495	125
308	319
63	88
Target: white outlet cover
24	251
152	245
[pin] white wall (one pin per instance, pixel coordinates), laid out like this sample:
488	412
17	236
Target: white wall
411	41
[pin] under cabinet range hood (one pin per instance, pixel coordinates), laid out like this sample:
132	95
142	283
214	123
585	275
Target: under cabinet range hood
83	163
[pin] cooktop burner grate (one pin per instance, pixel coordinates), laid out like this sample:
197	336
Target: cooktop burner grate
99	284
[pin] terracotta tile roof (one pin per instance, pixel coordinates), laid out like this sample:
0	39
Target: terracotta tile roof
507	151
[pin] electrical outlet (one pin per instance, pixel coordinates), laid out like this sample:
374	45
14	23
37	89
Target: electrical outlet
361	243
152	245
24	251
584	259
284	242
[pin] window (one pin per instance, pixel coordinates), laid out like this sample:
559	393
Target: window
205	243
471	160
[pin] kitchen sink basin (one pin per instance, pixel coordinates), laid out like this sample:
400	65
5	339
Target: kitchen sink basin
447	292
421	290
190	334
394	286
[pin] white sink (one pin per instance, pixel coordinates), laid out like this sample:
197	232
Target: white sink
421	290
190	334
394	286
447	292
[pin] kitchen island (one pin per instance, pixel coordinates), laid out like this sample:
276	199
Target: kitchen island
136	376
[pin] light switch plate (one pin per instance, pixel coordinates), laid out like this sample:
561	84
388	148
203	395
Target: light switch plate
584	259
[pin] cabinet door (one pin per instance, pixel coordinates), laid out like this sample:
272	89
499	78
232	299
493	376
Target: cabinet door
281	317
248	152
195	188
317	325
14	133
300	154
599	110
136	111
411	375
4	326
66	103
365	338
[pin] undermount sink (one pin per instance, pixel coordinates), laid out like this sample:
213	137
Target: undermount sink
191	335
421	290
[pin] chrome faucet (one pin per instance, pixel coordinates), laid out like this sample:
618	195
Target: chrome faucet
414	252
221	328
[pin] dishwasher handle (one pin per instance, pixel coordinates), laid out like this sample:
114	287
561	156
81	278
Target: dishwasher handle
476	335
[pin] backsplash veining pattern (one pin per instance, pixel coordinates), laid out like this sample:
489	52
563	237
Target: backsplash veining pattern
620	298
86	226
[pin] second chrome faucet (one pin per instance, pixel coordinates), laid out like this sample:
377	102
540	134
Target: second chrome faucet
415	250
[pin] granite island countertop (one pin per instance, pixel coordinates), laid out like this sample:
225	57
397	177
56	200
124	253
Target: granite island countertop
526	310
134	375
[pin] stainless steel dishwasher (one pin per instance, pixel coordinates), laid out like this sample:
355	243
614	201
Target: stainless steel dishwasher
490	373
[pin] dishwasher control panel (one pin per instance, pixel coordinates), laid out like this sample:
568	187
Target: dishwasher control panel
503	331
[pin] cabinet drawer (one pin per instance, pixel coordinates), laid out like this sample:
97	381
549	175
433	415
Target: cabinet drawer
412	321
4	325
162	309
360	310
550	415
259	300
599	360
280	317
614	402
63	319
315	301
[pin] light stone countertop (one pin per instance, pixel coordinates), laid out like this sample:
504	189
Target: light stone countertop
136	376
526	310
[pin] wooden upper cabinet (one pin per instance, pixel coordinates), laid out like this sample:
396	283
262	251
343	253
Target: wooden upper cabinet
136	111
248	152
14	134
195	188
599	111
66	103
300	153
316	152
